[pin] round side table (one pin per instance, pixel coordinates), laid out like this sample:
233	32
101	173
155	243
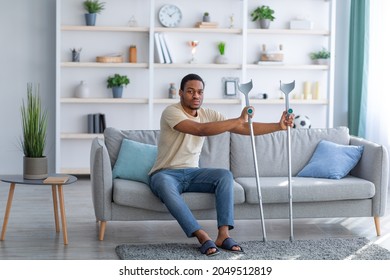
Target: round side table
57	192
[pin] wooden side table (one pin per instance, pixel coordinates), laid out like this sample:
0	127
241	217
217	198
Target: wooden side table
55	188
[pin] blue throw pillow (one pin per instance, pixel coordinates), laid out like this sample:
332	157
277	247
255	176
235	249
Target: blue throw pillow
332	161
134	161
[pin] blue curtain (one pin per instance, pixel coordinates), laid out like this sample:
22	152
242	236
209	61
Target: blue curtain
358	66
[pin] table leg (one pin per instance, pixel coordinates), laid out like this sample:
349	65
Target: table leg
55	205
63	216
7	210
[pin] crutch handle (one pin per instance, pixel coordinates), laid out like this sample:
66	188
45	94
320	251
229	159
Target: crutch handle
250	111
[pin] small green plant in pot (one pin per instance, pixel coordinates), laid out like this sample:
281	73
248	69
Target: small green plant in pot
206	17
264	15
221	58
117	82
93	7
321	57
34	124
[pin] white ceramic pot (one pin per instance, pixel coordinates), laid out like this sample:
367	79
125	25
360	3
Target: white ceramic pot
221	59
82	90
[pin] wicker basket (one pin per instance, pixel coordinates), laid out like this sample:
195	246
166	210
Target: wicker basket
109	59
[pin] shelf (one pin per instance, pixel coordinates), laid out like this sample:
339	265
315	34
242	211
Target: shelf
292	101
80	136
199	30
288	32
103	28
196	30
227	101
289	67
103	65
76	171
205	101
198	65
105	100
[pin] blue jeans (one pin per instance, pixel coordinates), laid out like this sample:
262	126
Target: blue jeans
169	184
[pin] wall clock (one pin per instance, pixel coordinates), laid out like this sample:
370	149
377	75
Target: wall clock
169	15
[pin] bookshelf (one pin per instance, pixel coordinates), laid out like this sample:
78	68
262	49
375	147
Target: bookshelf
147	94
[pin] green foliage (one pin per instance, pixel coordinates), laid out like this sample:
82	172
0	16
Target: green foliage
206	14
117	81
322	54
93	6
263	12
34	124
221	47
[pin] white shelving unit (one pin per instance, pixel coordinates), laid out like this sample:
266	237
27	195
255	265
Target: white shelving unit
146	96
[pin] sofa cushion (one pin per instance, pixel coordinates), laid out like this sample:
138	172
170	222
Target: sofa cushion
275	189
216	151
332	161
139	195
113	139
134	161
271	150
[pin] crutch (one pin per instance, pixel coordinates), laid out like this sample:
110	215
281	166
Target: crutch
286	89
245	89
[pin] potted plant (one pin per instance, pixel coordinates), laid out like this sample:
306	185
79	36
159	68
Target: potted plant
321	57
221	58
93	7
206	17
34	124
264	15
117	82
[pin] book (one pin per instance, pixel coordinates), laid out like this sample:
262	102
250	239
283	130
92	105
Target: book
102	123
206	24
90	123
159	54
96	123
164	46
56	180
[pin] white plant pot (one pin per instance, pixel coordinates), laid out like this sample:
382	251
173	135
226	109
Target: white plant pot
221	59
82	90
322	61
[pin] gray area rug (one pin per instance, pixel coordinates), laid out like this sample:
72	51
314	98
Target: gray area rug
323	249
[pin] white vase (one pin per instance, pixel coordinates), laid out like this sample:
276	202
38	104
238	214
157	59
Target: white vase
82	90
221	59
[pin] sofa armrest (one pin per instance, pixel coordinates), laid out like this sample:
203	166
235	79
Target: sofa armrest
101	180
374	167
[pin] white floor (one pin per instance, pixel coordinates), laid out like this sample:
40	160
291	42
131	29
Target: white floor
31	231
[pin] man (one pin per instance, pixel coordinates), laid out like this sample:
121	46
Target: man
182	130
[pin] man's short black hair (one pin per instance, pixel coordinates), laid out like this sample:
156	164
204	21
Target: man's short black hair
190	77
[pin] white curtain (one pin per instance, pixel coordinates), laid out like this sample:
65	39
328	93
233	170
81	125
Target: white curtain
378	97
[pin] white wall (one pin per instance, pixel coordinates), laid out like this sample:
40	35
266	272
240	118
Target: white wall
27	36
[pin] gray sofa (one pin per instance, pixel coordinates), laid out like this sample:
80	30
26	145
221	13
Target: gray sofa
362	193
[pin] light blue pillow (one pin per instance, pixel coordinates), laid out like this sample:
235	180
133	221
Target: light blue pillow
135	160
332	161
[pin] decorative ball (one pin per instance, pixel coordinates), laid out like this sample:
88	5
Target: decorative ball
302	121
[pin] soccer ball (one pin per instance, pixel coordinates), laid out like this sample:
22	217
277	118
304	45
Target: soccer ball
302	121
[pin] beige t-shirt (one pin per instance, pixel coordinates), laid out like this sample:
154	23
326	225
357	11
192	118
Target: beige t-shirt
177	149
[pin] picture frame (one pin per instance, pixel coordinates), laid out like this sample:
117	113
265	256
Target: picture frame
230	87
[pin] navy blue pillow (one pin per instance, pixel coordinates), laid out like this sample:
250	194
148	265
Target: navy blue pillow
332	161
